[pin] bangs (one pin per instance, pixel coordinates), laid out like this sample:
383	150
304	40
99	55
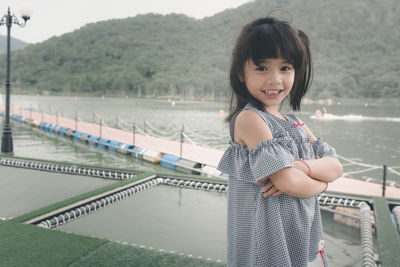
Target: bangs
262	39
272	41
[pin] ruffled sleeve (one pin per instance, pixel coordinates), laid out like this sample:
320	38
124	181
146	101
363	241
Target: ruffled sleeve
322	149
252	165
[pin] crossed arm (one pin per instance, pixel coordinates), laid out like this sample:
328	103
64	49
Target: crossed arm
250	130
294	180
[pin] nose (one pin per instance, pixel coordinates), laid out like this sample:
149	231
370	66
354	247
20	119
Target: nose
274	78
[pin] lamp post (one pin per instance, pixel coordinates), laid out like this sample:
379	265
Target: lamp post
6	140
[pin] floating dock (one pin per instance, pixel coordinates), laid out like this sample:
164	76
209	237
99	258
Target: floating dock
195	158
25	224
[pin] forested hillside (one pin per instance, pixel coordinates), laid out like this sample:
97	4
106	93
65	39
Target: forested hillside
15	44
355	47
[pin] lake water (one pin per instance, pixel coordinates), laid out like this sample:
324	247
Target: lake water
363	132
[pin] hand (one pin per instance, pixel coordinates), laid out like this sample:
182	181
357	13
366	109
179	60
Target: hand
269	189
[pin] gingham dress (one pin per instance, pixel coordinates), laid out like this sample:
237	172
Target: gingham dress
275	231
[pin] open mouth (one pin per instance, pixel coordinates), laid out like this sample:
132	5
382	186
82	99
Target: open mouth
272	92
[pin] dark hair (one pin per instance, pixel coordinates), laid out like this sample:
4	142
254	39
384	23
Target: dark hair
269	38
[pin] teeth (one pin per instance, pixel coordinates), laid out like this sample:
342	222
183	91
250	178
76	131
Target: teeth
272	92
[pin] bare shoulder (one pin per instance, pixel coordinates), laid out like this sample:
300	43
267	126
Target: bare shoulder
249	120
250	129
248	115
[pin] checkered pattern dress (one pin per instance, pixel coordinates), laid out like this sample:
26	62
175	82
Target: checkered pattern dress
275	231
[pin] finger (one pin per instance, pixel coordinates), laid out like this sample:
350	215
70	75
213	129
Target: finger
259	182
267	187
277	193
270	192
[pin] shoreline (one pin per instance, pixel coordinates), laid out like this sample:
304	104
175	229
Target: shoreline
367	102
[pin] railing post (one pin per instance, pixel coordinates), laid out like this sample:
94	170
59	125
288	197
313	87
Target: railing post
57	117
116	121
182	138
30	113
42	115
94	116
76	121
144	127
384	180
133	134
101	126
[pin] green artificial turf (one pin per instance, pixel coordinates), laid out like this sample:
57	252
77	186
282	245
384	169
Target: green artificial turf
44	210
388	239
29	245
114	254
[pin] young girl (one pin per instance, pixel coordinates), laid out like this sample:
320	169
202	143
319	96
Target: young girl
276	166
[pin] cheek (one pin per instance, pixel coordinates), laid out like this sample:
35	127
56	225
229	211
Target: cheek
250	81
290	80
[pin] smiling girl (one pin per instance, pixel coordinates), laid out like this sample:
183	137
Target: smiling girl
276	166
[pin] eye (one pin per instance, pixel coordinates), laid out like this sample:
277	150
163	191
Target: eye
286	68
261	68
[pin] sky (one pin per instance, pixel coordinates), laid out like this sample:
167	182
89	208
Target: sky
54	17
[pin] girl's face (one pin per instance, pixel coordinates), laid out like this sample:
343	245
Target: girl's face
270	82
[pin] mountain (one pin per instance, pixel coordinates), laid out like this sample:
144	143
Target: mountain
15	44
354	45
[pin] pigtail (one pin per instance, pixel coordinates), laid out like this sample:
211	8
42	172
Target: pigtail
304	71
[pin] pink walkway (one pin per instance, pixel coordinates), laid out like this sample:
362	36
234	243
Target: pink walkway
355	186
199	154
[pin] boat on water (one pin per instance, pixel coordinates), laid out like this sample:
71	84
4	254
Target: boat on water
325	116
76	206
